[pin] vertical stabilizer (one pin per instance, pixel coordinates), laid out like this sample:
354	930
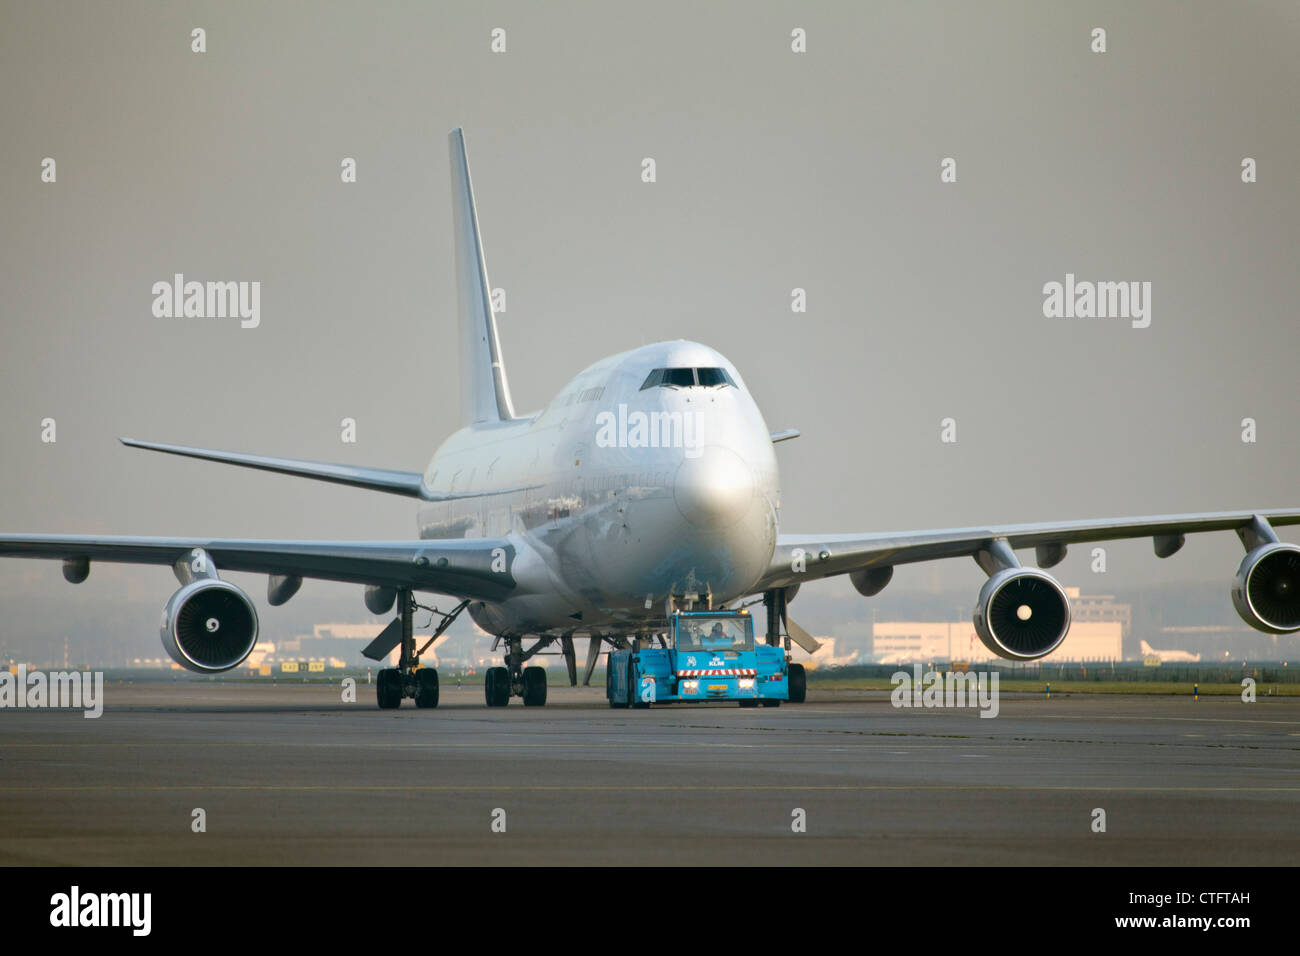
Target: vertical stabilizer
485	394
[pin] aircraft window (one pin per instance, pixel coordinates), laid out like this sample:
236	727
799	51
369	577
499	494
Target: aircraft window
673	377
687	378
713	377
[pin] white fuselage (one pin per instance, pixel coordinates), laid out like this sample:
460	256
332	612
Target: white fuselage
631	495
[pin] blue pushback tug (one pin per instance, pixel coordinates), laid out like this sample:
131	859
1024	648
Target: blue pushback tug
711	655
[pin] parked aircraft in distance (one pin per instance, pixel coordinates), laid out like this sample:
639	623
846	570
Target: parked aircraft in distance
1168	657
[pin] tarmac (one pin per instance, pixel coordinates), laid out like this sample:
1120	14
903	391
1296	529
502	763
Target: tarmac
291	774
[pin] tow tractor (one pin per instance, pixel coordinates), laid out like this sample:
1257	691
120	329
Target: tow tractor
709	655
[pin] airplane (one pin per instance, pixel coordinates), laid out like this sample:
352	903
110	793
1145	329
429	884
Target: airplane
1168	657
649	484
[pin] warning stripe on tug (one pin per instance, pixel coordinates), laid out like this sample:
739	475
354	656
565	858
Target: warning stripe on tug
722	672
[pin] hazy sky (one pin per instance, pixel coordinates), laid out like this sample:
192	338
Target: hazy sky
775	170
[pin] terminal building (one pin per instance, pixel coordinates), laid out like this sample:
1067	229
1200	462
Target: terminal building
339	641
327	647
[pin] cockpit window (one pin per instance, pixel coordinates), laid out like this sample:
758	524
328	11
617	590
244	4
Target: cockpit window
687	378
713	377
679	377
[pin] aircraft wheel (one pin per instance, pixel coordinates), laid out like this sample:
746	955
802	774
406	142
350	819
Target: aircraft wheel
771	702
426	682
798	684
750	702
534	686
496	686
388	688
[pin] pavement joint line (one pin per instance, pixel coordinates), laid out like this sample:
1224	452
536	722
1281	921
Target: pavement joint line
630	788
1203	720
929	741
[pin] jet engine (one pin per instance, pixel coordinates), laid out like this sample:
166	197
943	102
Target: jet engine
1022	614
1266	590
209	625
871	581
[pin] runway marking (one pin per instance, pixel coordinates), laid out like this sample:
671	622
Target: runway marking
614	788
919	740
581	745
1144	717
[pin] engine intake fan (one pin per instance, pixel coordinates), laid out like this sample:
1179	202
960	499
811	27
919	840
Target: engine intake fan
209	625
1266	590
1022	614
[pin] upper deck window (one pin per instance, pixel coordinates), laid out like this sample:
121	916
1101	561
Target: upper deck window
687	378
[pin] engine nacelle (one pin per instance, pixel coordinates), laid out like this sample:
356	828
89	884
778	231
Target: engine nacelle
209	625
1266	590
1022	614
871	581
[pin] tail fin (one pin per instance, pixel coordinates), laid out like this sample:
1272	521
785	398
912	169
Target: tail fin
485	394
1146	648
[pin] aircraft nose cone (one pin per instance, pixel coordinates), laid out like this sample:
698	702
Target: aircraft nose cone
714	489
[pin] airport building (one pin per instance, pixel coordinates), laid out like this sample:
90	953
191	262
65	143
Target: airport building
1099	626
329	646
341	644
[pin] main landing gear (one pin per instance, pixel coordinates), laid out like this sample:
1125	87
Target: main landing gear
408	678
516	680
775	601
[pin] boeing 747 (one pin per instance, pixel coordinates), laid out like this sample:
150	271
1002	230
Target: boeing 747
648	485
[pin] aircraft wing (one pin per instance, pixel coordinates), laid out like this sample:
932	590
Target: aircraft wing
830	554
408	483
463	567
